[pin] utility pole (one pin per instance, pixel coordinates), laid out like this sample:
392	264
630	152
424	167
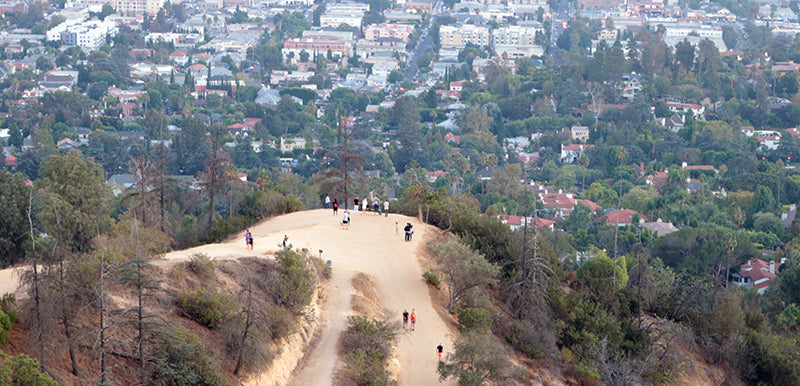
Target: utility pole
345	157
161	173
524	241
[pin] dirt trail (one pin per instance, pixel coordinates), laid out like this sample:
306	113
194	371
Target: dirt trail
373	245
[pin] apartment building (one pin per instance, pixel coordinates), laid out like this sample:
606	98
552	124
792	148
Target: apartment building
384	31
149	7
459	37
515	35
88	35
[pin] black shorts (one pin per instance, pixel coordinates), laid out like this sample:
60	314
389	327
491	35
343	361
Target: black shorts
345	222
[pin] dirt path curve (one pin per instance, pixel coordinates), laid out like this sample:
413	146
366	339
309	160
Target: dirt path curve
373	245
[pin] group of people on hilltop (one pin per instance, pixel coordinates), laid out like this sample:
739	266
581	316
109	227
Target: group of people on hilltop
359	207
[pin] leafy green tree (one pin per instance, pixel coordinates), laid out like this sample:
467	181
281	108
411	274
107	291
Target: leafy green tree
405	119
463	267
769	223
14	196
603	277
478	358
74	200
384	164
395	76
763	201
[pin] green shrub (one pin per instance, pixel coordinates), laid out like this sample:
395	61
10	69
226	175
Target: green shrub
586	373
207	307
293	285
220	229
8	303
431	278
22	370
281	322
202	265
5	326
367	345
179	359
475	319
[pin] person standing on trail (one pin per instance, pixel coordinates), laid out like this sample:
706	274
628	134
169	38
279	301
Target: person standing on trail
364	204
376	206
327	201
355	204
405	319
335	207
248	240
386	208
439	350
413	319
346	220
408	228
286	243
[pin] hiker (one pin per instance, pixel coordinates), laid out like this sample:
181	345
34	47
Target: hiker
355	204
376	206
364	204
439	350
248	240
286	243
413	319
386	208
405	319
327	201
346	220
408	228
335	207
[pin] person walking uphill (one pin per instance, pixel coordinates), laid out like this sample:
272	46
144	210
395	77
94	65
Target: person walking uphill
405	319
355	204
346	220
327	201
335	207
413	319
439	350
386	208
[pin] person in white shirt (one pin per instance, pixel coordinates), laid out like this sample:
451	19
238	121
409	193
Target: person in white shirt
386	208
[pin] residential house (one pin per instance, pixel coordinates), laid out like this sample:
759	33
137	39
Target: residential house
608	34
579	133
660	228
623	217
67	144
518	222
698	111
571	153
756	274
657	179
631	84
434	175
292	144
562	204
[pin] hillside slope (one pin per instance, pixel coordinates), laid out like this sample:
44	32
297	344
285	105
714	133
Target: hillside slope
373	245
